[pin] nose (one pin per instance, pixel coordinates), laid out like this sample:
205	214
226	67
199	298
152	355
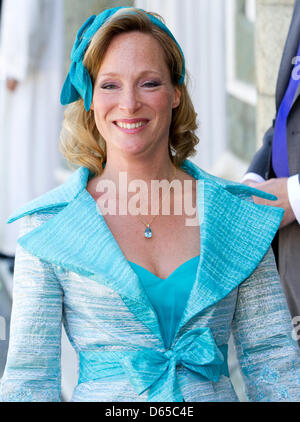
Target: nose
129	101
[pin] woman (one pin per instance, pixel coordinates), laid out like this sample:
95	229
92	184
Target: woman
148	311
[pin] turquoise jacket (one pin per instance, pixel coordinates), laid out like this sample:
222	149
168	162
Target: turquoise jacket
70	269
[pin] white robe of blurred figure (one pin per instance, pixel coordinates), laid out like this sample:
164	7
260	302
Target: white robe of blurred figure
31	49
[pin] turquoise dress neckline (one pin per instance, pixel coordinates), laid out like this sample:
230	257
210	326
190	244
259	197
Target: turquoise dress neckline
168	296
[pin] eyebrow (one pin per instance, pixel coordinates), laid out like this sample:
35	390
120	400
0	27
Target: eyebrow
114	74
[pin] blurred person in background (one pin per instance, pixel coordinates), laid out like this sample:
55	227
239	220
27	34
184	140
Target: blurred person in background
30	114
276	166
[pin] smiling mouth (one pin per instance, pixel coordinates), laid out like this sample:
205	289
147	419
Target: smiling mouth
129	126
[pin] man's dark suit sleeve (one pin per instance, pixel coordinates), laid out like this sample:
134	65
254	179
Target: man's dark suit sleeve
260	163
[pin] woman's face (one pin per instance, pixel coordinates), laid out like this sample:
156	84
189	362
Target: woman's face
133	96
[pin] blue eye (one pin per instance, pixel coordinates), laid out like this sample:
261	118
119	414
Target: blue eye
108	86
151	84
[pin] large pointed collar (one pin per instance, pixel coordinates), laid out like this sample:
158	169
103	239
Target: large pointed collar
235	235
58	197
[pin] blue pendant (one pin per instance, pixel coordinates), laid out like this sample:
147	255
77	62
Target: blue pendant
148	232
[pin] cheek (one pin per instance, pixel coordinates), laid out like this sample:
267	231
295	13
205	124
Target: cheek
163	104
102	104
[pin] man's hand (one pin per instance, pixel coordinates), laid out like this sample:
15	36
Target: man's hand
11	84
277	187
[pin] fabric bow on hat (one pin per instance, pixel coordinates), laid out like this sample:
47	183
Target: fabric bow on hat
152	370
78	83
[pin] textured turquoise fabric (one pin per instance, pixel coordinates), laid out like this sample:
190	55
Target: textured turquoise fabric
168	296
153	370
70	269
78	82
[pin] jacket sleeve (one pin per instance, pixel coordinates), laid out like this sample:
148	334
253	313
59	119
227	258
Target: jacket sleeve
261	161
32	371
262	329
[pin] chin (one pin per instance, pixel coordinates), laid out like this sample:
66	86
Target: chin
133	148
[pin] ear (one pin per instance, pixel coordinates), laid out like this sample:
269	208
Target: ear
177	97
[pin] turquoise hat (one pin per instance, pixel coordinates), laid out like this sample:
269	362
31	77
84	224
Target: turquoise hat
78	83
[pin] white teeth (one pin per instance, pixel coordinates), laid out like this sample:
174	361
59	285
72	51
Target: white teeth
130	126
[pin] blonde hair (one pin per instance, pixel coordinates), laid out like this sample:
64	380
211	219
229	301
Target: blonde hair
81	143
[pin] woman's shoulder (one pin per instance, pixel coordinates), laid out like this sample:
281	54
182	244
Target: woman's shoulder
232	187
201	175
55	199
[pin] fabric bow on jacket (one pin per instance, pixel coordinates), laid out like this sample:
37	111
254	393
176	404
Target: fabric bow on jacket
152	370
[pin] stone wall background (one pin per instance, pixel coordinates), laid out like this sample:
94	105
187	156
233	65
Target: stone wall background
272	24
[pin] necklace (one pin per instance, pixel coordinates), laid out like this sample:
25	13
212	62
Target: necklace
148	232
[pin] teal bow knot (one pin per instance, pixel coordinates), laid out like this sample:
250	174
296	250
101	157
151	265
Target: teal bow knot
170	354
154	371
78	83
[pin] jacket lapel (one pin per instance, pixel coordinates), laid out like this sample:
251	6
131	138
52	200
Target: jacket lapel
235	235
289	52
78	239
58	197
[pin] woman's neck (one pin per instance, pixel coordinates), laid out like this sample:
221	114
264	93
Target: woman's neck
137	169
